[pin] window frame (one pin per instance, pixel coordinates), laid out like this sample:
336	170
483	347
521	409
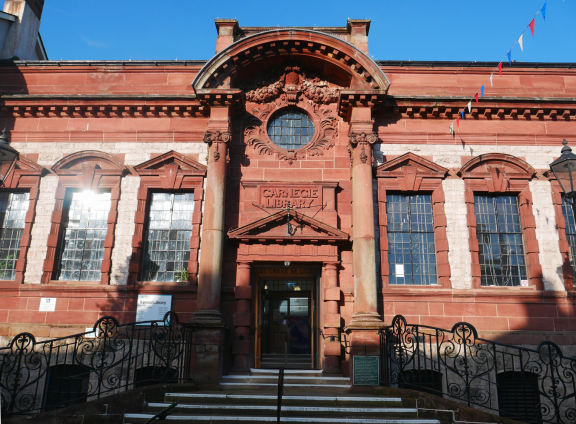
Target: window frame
62	229
499	173
567	270
25	177
84	170
414	174
494	196
168	172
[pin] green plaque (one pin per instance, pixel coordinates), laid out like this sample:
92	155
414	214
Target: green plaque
366	370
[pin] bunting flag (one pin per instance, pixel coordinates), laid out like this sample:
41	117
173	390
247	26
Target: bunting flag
520	42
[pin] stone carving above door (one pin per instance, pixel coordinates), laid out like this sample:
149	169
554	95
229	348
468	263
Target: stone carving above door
292	85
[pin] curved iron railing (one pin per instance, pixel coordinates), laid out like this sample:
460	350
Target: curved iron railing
38	376
535	385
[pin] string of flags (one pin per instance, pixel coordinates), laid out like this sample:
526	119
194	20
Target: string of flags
507	56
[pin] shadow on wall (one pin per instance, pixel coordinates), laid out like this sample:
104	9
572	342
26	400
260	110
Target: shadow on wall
12	82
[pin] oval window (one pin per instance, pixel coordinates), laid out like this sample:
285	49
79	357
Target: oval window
290	129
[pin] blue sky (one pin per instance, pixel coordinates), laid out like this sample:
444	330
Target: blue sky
464	30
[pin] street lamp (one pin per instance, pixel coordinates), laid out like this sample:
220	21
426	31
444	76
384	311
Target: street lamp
564	169
8	157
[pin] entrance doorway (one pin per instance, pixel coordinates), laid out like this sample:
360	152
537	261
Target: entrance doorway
286	320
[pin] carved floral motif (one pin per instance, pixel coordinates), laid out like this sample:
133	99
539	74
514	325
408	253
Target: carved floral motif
217	137
289	87
255	134
361	140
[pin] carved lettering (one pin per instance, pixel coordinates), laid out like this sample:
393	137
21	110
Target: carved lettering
297	197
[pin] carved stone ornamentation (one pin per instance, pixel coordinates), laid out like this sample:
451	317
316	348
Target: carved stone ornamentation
361	140
255	134
291	85
216	137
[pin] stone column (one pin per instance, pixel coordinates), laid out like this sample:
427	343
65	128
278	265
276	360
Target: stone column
243	295
361	139
212	242
208	323
366	321
332	320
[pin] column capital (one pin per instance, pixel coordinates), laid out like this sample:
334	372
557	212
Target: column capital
331	265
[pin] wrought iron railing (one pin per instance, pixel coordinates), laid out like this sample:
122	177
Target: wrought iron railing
534	385
38	376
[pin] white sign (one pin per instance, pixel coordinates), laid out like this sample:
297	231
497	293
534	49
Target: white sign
48	304
152	307
524	283
90	333
399	270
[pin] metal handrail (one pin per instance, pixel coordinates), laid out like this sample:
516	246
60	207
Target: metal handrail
280	393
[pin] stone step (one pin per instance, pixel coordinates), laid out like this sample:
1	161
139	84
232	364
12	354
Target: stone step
276	371
215	419
287	411
271	400
288	388
288	379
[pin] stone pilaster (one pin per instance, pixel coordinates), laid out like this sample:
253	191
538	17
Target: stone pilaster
332	319
243	295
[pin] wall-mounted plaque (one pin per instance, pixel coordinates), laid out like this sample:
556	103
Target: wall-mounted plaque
152	307
48	304
366	370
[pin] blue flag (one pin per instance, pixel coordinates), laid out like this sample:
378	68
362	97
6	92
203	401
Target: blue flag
544	11
509	54
482	90
462	113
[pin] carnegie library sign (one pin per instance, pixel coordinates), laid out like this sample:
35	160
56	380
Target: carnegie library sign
297	196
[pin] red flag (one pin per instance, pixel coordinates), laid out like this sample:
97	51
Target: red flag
476	98
458	122
500	68
532	27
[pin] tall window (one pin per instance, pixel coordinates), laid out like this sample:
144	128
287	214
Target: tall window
167	246
411	251
13	209
84	230
568	213
499	234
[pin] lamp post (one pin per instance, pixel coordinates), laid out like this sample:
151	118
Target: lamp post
8	157
564	169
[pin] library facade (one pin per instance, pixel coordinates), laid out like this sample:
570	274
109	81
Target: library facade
292	195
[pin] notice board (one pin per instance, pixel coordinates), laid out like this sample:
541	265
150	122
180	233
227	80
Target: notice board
366	370
152	307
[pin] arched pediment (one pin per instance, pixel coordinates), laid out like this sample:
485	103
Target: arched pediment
334	59
485	165
77	163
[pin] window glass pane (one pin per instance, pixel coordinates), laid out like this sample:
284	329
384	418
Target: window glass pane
568	213
167	239
13	209
411	248
291	129
83	237
500	242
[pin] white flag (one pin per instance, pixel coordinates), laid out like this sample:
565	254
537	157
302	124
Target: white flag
452	128
520	42
491	84
469	107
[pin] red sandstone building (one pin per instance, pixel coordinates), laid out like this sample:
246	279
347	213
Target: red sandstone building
289	193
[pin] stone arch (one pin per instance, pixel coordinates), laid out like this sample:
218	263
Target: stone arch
224	69
483	164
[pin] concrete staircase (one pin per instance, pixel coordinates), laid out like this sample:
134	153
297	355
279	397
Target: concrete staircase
253	398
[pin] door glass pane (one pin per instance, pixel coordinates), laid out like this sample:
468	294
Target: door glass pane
299	326
83	240
298	306
280	311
